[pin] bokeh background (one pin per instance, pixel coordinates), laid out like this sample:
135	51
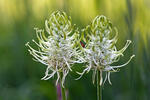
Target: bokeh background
20	75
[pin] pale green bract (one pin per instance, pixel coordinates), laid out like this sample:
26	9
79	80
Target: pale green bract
100	50
58	50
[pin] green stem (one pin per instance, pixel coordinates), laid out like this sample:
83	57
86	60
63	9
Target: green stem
99	88
100	92
63	92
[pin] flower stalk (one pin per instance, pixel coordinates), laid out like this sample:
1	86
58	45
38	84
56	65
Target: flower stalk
63	92
99	87
59	94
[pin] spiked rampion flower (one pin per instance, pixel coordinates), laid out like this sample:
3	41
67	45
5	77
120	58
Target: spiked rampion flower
58	51
100	50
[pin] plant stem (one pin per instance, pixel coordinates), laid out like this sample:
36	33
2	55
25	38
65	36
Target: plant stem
100	92
99	88
63	92
59	94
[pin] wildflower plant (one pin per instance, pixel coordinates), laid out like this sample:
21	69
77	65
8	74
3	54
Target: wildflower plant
100	51
58	48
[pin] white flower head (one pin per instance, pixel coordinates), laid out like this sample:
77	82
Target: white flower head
58	49
100	50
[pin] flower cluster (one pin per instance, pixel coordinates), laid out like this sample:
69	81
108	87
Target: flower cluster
100	50
58	49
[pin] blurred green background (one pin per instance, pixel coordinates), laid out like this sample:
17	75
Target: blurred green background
20	75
